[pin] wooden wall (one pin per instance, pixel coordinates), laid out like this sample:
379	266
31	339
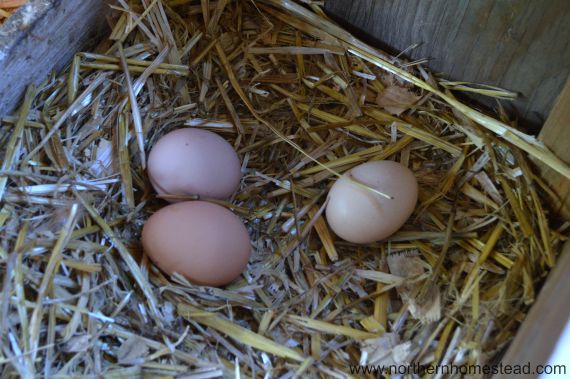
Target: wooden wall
42	36
520	45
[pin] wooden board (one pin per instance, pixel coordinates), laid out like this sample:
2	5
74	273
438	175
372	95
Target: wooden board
42	36
556	135
520	45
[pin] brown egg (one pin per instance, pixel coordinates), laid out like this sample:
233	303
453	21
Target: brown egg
193	161
359	215
205	242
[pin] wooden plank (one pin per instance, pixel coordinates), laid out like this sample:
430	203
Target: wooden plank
556	135
42	36
520	45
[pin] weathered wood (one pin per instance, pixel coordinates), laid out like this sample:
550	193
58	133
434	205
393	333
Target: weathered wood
42	36
556	135
520	45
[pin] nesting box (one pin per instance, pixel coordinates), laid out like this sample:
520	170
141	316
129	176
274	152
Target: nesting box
302	100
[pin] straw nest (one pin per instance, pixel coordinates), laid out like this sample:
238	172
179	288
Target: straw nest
302	101
7	7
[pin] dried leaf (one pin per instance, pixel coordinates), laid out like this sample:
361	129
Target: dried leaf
408	264
133	351
396	99
77	344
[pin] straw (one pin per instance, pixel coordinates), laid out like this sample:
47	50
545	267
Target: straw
303	102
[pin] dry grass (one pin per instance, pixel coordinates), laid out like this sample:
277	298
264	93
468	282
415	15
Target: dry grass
302	101
7	7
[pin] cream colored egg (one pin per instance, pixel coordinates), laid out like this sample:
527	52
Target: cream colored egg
359	215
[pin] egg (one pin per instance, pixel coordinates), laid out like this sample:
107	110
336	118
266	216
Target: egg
193	161
359	215
204	242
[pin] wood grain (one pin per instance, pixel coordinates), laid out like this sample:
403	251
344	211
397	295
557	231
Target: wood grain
556	135
520	45
42	36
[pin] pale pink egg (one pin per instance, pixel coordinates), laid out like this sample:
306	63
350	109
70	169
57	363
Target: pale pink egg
193	161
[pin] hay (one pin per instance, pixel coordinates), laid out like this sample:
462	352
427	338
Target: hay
7	7
302	101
